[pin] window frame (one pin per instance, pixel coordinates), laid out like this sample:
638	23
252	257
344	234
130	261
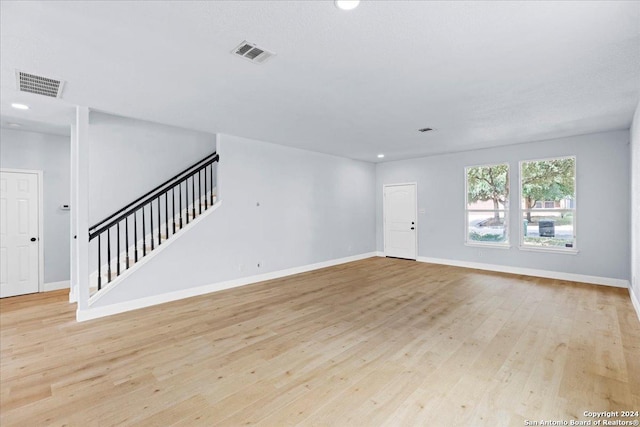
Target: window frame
522	211
507	218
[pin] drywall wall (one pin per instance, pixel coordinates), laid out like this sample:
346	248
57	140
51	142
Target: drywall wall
635	206
129	157
603	188
49	153
282	208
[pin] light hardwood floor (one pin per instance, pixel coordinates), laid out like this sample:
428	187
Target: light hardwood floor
374	342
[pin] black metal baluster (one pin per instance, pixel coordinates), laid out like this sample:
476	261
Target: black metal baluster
166	214
118	248
211	195
144	237
135	235
180	200
200	191
186	199
193	195
99	267
126	237
206	199
159	222
151	222
108	255
173	206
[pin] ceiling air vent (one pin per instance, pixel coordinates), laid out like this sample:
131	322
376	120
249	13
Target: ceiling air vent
39	85
424	130
251	52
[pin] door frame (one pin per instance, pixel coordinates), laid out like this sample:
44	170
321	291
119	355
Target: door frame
384	215
39	174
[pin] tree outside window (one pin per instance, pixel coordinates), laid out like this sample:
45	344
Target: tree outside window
548	202
487	204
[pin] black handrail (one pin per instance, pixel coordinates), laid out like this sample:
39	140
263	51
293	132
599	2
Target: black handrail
135	205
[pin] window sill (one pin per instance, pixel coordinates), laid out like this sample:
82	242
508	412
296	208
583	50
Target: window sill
568	251
489	245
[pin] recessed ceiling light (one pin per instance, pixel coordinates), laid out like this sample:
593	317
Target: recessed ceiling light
19	106
347	4
381	156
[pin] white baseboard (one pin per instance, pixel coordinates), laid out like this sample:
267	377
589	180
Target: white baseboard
97	312
635	299
572	277
380	253
54	286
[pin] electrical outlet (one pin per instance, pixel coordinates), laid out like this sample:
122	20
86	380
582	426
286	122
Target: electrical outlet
240	267
260	264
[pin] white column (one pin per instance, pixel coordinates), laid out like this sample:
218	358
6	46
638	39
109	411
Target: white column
73	291
81	184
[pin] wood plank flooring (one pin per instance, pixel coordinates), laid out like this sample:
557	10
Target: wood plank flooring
378	342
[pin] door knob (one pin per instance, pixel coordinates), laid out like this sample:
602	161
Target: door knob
33	239
413	228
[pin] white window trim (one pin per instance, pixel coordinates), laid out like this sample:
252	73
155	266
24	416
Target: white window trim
489	245
558	250
498	245
550	249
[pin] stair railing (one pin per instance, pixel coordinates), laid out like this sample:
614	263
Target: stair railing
155	216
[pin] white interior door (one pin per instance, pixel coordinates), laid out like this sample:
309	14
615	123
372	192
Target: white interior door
400	228
19	237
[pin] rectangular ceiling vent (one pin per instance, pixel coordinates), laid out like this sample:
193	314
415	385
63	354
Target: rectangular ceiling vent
251	52
39	85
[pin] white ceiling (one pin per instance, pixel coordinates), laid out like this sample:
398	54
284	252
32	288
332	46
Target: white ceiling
351	83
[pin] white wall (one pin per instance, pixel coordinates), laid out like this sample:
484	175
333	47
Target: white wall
313	208
635	207
603	218
49	153
129	157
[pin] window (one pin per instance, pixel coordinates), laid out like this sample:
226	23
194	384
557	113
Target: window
487	207
548	193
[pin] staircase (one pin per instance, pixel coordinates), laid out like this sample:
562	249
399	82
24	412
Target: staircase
125	237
